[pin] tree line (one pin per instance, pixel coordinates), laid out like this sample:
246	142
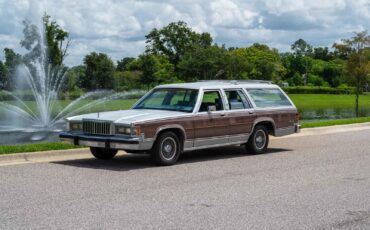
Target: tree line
176	53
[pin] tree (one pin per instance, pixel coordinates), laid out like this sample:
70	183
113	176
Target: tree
122	64
322	53
174	40
203	64
56	41
3	76
74	76
155	69
55	38
301	48
127	80
12	59
357	66
99	72
266	62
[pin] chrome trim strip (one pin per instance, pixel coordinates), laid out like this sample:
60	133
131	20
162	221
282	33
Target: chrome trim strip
209	142
216	145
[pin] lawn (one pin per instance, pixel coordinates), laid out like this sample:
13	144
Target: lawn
7	149
317	101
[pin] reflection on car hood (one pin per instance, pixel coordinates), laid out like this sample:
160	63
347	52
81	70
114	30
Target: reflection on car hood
129	116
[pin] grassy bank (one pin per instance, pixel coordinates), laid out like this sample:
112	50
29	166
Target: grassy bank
314	124
23	148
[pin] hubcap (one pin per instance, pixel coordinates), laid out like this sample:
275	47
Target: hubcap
260	139
168	148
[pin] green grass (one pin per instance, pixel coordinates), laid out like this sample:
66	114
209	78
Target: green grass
7	149
321	101
314	124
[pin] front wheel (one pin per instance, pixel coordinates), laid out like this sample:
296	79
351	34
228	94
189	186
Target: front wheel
166	150
258	141
102	153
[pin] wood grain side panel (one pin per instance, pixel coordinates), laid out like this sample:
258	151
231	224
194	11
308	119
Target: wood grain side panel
282	118
240	122
210	125
150	128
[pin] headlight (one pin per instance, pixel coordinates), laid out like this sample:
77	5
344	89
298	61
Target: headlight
75	126
123	130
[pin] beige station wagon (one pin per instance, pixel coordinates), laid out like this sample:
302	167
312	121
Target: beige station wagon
174	118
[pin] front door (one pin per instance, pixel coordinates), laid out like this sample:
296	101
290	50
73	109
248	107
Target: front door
210	127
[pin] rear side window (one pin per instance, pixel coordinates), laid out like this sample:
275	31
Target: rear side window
268	98
237	99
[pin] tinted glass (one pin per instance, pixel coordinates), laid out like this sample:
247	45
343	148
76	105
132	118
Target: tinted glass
170	99
211	98
268	98
237	99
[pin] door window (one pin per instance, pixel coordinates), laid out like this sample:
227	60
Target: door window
211	98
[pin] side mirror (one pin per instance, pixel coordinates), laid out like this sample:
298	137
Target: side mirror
211	108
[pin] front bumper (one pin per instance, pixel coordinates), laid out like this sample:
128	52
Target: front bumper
109	142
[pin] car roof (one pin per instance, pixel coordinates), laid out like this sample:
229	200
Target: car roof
216	84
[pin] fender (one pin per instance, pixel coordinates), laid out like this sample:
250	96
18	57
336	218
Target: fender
264	119
172	126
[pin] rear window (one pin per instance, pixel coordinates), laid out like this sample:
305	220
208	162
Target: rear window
268	98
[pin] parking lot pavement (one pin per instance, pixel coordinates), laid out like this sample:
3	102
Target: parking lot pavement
307	182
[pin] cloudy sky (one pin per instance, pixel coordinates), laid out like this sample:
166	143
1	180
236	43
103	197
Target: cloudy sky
118	27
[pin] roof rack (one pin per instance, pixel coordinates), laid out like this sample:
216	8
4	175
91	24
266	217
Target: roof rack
237	82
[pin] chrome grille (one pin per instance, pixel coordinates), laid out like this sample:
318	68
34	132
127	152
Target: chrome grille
96	127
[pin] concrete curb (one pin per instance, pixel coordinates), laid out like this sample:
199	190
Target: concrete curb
35	156
55	155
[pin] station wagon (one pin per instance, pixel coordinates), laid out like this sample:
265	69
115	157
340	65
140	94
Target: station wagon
174	118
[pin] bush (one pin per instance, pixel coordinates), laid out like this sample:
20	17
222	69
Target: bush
318	90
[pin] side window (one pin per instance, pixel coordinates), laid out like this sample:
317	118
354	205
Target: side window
237	100
268	98
211	98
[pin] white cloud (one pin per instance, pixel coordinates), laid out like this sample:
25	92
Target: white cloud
118	27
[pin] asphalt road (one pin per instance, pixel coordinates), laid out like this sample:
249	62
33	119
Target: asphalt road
308	182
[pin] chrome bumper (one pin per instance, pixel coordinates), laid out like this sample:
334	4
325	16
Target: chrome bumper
110	142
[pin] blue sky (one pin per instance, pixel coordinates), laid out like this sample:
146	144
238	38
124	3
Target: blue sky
118	27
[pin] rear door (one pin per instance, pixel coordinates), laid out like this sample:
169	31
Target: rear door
211	128
240	115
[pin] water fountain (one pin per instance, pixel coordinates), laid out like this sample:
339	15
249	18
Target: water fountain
42	117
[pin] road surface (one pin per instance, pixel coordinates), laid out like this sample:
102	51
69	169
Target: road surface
307	182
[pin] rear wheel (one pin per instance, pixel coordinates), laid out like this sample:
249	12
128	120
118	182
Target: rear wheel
102	153
166	150
258	141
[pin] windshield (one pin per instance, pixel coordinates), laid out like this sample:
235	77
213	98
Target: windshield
170	99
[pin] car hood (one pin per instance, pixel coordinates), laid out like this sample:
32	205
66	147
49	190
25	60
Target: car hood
129	116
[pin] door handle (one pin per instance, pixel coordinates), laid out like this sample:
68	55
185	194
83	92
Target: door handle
222	114
251	112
